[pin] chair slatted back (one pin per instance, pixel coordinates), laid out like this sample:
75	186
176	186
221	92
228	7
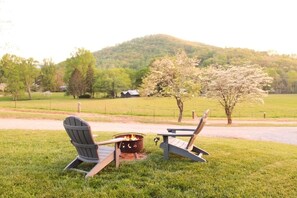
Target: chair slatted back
199	128
81	137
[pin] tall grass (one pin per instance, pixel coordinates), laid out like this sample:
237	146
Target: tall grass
32	165
275	106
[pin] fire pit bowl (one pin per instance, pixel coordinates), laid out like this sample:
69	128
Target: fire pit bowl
133	143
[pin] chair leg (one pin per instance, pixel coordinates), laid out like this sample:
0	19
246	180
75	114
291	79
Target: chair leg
117	153
199	150
98	167
166	147
73	164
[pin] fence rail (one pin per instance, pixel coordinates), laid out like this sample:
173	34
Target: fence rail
82	106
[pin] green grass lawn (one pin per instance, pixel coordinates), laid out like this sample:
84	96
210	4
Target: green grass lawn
32	165
275	106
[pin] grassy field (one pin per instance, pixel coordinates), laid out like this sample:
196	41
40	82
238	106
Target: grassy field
275	106
32	165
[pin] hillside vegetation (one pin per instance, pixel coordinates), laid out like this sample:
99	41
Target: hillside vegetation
140	52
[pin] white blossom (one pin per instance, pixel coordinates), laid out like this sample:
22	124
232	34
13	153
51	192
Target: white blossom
233	84
173	76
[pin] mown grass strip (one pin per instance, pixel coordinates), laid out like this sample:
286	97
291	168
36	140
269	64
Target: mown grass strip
32	165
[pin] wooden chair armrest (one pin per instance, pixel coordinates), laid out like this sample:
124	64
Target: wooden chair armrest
128	133
176	134
174	130
115	140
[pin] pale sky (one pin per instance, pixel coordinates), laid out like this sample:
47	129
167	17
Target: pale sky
56	28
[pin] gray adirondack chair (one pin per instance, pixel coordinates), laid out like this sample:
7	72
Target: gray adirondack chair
88	150
171	143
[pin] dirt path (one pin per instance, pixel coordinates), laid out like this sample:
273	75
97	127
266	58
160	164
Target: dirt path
286	135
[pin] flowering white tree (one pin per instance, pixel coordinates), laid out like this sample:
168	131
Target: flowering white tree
173	76
233	84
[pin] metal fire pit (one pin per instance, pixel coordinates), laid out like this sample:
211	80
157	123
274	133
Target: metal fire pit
131	145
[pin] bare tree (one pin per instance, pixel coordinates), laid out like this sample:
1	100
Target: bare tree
234	84
173	76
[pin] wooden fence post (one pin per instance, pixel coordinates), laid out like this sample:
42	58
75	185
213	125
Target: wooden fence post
78	107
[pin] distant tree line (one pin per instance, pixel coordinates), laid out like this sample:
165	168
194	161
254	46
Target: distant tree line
78	73
84	79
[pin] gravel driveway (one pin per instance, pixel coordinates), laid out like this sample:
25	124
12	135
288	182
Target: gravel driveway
286	135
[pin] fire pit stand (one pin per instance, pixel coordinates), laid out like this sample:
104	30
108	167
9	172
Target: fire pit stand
133	143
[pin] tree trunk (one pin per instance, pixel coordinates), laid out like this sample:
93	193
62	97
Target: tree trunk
29	93
229	118
229	115
112	94
113	91
180	105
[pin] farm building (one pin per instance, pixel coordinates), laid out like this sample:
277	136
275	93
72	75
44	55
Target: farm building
129	93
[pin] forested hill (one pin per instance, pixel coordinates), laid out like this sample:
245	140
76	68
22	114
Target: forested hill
140	52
